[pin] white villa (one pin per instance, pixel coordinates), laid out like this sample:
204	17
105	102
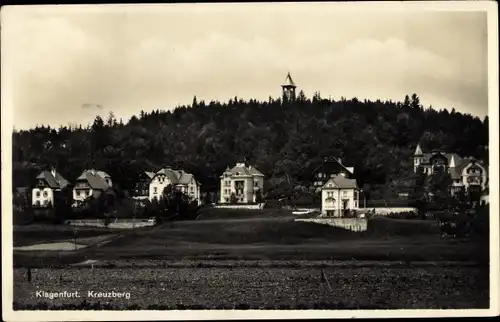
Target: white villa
242	180
91	183
467	174
47	183
338	194
179	179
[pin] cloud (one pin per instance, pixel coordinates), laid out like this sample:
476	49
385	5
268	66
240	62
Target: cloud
127	61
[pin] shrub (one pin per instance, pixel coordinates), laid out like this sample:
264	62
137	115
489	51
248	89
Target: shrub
403	215
272	204
233	200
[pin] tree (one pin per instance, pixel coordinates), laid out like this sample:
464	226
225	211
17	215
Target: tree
276	140
316	96
258	196
232	199
62	204
407	101
207	199
439	186
415	101
111	121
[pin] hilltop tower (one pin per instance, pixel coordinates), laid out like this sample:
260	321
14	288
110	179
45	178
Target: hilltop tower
288	89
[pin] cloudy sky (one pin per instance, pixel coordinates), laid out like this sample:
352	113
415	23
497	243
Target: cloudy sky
143	58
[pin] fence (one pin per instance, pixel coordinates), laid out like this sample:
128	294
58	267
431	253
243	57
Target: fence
249	206
353	224
388	210
114	223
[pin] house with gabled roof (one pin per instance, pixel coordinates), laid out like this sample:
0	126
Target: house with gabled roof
178	179
331	167
242	180
339	194
141	188
467	173
91	183
46	185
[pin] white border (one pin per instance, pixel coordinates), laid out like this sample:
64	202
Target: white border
9	12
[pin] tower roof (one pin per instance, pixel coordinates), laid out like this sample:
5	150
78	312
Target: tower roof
418	150
289	81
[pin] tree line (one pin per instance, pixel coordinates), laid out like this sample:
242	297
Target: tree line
281	139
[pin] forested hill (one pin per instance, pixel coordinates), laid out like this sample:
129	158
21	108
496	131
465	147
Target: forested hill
377	138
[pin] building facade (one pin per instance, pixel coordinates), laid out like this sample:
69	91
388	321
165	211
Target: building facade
178	179
243	182
467	174
339	194
91	183
47	184
141	188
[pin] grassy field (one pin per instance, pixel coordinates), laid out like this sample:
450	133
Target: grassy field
252	237
39	233
245	259
228	213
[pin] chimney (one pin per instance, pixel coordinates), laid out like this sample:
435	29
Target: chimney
53	171
92	171
339	160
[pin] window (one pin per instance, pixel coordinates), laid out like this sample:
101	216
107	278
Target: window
78	193
256	184
37	203
227	183
330	194
191	189
45	194
45	202
38	194
155	190
344	193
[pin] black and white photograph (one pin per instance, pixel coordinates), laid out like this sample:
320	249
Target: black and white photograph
249	160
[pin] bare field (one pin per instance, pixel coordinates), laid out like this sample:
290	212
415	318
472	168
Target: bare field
368	287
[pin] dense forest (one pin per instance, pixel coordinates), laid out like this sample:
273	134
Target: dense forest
282	139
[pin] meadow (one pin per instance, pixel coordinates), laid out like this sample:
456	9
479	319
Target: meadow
259	261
